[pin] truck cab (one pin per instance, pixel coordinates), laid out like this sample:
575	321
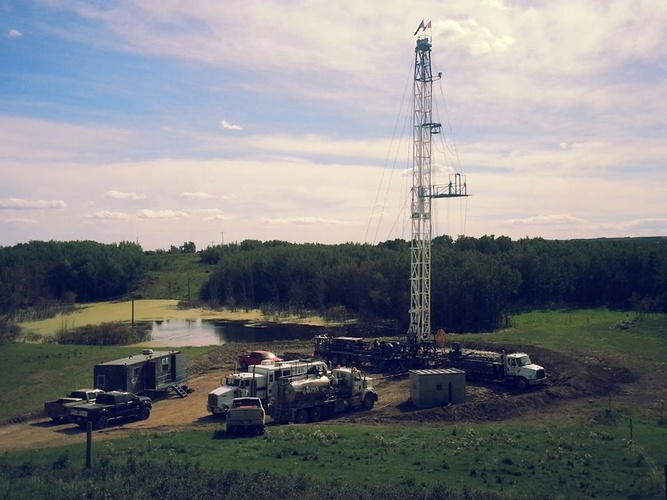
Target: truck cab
235	385
519	366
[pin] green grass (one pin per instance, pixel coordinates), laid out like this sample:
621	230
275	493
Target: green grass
36	373
596	460
587	331
177	276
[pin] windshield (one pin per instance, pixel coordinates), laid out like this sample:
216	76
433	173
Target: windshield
523	360
231	381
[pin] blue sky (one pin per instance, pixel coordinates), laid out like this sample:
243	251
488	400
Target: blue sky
207	121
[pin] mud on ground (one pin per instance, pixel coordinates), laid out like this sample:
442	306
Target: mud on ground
572	381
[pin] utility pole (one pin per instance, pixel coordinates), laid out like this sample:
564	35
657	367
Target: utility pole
222	237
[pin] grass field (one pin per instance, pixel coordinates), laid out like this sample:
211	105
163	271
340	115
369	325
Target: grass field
504	458
584	453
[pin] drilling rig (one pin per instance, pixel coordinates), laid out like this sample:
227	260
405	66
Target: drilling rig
420	339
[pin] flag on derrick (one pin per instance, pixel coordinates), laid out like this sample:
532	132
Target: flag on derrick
423	27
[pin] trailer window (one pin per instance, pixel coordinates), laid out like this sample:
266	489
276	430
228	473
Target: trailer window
101	381
137	372
165	365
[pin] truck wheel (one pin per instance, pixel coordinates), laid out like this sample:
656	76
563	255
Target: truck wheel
102	422
301	417
369	402
144	413
522	383
316	414
344	361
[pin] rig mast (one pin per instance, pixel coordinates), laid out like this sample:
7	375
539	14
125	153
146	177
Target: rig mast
419	333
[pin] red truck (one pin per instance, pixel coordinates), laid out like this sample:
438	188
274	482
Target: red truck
256	358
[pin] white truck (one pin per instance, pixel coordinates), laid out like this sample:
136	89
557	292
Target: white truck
311	397
246	415
514	368
259	381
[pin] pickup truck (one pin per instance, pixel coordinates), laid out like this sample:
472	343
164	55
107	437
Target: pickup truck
59	409
111	405
255	358
246	415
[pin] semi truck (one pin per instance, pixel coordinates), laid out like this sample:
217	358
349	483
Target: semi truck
259	381
515	368
312	397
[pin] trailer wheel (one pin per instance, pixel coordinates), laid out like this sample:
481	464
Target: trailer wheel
101	422
301	417
316	414
144	413
522	383
369	402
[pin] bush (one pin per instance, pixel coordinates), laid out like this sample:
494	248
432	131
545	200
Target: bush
114	333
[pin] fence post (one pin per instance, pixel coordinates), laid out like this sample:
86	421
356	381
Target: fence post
89	445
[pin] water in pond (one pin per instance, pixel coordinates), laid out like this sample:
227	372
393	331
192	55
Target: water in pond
180	333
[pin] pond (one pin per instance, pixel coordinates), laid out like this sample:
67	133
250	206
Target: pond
181	332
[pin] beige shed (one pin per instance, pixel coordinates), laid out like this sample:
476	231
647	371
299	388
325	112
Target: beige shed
437	387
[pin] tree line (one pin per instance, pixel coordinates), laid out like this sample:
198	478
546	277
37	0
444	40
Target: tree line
476	283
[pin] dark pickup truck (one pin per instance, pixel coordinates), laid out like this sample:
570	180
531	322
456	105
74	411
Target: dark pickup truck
111	405
60	408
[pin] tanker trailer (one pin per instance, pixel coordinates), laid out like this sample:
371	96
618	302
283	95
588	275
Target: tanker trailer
310	398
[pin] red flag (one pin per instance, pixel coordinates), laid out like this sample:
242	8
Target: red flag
428	26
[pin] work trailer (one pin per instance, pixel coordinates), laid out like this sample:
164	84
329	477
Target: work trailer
148	373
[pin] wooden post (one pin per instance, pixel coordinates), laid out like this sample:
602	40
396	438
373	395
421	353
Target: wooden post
89	445
133	311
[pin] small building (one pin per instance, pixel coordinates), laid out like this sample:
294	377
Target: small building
146	373
437	387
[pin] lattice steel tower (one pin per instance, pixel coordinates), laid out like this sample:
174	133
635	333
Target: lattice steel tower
423	192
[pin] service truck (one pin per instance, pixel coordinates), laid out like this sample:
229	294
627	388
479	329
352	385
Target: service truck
515	368
258	381
246	415
59	409
312	397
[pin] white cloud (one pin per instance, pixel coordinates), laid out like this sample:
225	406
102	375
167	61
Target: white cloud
299	221
228	126
197	194
119	195
105	214
548	220
161	214
14	34
21	204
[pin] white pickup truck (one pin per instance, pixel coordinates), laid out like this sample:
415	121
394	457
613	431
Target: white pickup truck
246	415
59	409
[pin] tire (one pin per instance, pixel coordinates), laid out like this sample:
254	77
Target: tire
344	361
101	422
369	402
316	414
522	383
334	360
301	417
144	413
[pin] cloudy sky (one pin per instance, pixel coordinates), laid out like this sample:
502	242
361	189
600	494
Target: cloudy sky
167	121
